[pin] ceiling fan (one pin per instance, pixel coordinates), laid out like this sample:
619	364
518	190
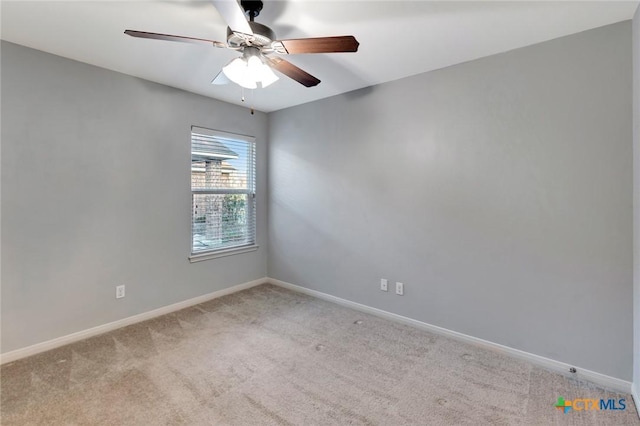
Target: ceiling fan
257	43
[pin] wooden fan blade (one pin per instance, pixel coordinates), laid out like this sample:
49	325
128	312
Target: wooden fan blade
169	37
233	15
291	71
317	45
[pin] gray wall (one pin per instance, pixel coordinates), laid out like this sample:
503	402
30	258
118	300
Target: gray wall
636	193
96	193
499	191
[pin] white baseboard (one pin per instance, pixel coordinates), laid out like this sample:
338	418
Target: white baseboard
560	367
94	331
550	364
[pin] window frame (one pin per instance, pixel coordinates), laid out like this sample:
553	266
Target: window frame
251	193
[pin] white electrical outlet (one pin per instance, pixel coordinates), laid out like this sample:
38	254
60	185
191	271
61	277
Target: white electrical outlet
400	289
384	284
119	292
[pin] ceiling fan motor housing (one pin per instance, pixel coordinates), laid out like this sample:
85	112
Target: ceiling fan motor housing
262	37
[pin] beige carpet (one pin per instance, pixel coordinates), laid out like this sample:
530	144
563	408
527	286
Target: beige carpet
268	356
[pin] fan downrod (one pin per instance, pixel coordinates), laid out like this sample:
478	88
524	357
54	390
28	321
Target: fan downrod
252	8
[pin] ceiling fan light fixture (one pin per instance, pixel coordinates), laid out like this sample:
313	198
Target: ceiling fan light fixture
267	76
237	71
250	70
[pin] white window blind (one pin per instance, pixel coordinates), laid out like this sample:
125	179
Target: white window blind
223	195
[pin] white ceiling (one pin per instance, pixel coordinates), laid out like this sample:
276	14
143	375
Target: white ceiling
397	38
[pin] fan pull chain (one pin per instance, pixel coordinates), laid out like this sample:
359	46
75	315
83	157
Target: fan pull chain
252	100
252	91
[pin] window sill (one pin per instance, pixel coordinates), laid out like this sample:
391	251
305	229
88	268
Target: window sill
222	253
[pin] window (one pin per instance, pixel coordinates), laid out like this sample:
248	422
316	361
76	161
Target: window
223	196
